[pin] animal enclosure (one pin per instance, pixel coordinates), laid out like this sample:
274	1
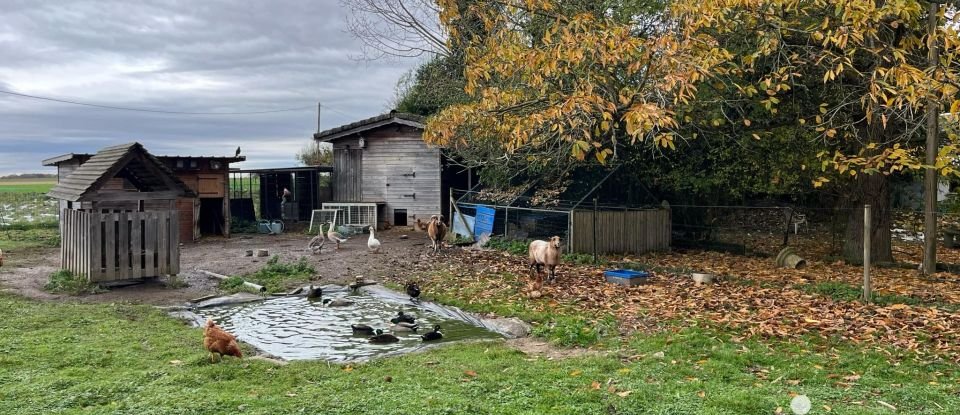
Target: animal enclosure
118	217
125	245
604	231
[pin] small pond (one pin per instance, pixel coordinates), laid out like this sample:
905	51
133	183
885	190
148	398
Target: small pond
296	328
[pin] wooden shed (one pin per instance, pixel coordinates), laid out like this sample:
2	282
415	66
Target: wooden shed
118	217
208	177
383	160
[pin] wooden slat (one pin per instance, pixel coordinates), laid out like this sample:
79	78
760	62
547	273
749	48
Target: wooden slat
163	246
150	244
110	248
96	242
136	244
84	249
174	243
123	245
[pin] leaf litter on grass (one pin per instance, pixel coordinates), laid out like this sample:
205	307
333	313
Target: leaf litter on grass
779	309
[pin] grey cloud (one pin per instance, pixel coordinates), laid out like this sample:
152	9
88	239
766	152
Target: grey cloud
216	56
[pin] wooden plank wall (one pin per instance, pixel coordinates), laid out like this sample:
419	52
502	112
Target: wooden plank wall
120	246
402	170
620	232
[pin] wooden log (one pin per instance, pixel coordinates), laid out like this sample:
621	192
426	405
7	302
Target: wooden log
222	277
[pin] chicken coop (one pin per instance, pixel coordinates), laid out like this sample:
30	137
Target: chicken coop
118	216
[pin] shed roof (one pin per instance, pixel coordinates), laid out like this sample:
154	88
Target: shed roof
129	161
83	157
392	117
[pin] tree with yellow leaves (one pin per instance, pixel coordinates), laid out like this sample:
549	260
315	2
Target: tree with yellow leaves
584	83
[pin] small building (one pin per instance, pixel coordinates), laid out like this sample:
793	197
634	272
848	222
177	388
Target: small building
384	161
118	217
207	176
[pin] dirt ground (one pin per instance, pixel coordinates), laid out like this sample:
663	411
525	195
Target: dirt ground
26	275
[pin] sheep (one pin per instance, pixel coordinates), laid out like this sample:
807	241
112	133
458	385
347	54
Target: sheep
436	230
543	253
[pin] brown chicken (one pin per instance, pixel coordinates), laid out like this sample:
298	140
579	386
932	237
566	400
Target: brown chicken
1	257
220	343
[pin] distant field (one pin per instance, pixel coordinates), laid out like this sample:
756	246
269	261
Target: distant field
26	185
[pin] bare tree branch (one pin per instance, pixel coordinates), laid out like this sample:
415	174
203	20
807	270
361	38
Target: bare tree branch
396	28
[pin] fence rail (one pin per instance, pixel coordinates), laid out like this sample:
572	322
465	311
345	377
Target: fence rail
118	246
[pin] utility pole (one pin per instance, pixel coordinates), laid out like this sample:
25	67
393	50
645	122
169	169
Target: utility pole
319	105
932	147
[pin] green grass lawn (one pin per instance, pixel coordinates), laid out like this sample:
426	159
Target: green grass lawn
124	359
26	185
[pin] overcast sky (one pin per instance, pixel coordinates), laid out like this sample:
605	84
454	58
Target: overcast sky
195	56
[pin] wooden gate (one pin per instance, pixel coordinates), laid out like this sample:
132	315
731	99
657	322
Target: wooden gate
634	231
120	246
347	175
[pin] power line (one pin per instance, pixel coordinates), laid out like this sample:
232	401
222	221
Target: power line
87	104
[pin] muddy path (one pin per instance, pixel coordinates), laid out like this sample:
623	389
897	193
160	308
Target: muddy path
401	256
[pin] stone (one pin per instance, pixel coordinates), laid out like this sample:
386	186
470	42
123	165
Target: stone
512	327
262	252
248	252
659	355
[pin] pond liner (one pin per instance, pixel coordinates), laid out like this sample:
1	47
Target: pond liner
499	326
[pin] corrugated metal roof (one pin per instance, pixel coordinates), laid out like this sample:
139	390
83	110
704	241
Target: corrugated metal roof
391	117
89	177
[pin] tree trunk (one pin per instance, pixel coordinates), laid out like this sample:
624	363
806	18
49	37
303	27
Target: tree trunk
932	146
873	190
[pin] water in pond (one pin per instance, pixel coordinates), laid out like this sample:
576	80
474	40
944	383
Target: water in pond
296	328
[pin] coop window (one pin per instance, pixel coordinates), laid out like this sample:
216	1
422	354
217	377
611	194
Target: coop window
179	163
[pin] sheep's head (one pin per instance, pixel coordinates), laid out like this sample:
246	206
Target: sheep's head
555	241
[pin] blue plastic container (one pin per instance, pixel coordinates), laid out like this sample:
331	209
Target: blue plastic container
626	277
484	221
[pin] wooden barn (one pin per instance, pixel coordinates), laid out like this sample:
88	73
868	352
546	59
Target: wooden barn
383	161
207	176
118	217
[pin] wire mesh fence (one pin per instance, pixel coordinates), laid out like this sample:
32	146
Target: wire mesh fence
815	232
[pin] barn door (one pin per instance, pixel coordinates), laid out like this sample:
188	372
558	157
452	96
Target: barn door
347	175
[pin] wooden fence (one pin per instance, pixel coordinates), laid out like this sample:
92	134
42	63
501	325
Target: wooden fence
120	246
632	231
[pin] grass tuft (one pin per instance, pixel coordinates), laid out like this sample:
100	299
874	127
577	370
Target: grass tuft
277	276
65	282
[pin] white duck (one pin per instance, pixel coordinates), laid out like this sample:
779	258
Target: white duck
335	236
373	243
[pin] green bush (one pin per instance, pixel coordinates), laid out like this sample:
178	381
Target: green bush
65	282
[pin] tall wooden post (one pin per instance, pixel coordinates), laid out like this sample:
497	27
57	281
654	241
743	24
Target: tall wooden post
932	144
867	288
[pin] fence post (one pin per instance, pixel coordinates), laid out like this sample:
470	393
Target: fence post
570	232
867	289
506	222
595	230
